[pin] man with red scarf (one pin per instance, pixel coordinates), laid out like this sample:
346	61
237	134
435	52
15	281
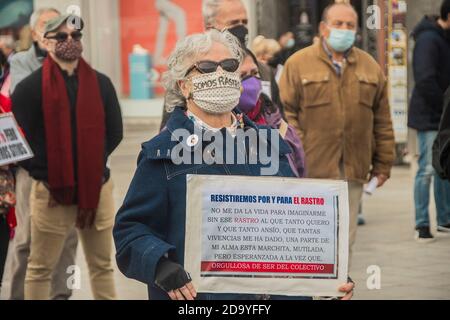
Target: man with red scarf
71	116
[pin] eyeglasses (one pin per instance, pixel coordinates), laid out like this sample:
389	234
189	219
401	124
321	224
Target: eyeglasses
63	36
207	66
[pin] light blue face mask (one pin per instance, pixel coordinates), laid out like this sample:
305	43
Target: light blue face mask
290	44
341	40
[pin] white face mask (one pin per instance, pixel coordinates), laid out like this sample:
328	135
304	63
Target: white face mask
217	92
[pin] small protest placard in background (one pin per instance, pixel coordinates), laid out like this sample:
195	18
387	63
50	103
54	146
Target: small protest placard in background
13	146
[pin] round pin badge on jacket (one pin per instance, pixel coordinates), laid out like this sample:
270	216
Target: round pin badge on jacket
192	140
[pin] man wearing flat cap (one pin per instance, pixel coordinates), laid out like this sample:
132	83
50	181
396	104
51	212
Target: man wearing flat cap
22	65
71	117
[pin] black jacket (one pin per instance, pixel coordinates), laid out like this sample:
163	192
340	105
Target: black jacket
27	108
441	147
431	64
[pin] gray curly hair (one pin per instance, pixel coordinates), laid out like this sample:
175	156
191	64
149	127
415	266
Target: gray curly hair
186	53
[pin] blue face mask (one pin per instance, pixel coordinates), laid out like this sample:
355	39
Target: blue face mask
341	40
290	44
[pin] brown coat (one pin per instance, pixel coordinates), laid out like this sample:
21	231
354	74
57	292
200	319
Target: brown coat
343	118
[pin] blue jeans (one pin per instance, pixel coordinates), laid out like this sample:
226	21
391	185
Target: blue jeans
423	181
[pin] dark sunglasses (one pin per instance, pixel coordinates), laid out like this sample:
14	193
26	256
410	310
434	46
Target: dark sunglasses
63	36
206	66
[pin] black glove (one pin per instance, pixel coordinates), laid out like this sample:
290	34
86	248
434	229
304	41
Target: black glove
170	275
350	280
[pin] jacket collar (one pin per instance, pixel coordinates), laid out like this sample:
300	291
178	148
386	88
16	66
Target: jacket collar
160	147
323	55
179	120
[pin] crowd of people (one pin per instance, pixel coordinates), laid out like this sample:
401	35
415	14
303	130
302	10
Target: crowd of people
327	102
342	131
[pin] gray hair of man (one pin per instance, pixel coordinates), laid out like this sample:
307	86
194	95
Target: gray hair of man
38	13
8	42
326	11
186	53
210	10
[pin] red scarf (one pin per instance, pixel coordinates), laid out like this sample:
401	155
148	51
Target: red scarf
90	120
256	116
5	104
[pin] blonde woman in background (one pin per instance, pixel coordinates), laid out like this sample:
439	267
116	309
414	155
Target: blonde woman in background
265	49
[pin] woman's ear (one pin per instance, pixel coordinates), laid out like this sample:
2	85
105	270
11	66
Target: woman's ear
185	87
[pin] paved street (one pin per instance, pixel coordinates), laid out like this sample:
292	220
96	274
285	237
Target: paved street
408	270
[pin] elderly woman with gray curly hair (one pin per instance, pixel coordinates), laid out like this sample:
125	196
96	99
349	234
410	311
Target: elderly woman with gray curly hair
204	80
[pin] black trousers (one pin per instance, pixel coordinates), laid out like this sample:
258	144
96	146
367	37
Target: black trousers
4	242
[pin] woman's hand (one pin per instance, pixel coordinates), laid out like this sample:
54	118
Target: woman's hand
172	278
348	289
187	292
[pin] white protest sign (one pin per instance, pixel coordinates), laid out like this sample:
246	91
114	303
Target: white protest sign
267	235
13	146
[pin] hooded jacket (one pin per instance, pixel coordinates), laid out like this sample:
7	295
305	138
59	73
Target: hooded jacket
431	66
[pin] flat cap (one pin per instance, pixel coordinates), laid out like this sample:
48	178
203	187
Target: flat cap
75	22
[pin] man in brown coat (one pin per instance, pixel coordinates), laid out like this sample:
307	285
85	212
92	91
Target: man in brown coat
335	95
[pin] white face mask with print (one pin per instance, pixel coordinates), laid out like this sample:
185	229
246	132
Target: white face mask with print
217	92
